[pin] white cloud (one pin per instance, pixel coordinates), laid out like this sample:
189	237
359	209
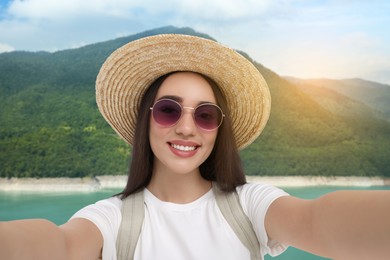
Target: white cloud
6	48
202	9
359	39
59	9
223	9
89	21
290	36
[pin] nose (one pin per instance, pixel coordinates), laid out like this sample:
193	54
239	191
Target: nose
186	125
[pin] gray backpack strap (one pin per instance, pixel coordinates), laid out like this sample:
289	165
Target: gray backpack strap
230	206
130	229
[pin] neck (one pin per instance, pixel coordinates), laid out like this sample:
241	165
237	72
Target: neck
178	188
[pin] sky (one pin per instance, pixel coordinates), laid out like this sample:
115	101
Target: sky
334	39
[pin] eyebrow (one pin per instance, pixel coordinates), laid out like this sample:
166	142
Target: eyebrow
180	100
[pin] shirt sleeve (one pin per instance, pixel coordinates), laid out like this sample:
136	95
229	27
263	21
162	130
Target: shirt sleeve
106	215
255	199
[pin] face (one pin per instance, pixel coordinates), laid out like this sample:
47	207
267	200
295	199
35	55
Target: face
182	147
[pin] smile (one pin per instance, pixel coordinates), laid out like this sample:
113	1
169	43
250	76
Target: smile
183	148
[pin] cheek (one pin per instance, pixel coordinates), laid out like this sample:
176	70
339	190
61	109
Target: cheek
156	133
153	133
153	139
210	138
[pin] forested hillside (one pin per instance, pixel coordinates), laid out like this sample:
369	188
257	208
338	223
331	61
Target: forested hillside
50	125
371	94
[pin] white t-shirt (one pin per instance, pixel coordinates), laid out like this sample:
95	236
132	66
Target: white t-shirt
196	230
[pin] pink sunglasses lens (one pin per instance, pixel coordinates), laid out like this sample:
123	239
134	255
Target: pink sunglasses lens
208	117
166	112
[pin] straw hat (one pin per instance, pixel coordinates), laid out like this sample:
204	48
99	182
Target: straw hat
128	71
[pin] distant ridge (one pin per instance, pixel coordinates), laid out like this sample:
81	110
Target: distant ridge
372	94
50	125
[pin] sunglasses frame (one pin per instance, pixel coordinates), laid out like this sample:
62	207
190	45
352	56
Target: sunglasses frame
193	113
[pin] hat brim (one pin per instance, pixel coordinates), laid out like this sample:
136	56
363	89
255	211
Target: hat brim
131	69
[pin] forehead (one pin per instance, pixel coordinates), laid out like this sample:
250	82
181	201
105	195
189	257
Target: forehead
187	85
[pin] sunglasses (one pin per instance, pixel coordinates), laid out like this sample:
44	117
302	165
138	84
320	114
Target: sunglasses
167	112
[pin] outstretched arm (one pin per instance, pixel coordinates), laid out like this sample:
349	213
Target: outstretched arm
339	225
42	239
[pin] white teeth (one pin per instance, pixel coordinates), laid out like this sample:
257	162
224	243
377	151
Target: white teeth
183	148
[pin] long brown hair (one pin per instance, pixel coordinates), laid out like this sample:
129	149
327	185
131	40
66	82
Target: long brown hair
223	165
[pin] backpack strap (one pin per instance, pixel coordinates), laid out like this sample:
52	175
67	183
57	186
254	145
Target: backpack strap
230	206
133	214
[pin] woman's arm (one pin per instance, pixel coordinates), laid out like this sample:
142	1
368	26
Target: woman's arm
339	225
42	239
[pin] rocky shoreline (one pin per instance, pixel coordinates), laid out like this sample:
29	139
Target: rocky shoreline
119	181
305	181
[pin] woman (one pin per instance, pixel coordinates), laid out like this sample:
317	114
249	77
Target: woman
187	105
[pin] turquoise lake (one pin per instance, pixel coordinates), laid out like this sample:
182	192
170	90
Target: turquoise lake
59	207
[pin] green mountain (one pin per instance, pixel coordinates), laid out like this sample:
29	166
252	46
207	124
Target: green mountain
371	94
50	125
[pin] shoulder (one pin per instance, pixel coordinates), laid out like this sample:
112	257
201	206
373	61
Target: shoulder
105	214
107	206
256	198
259	193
